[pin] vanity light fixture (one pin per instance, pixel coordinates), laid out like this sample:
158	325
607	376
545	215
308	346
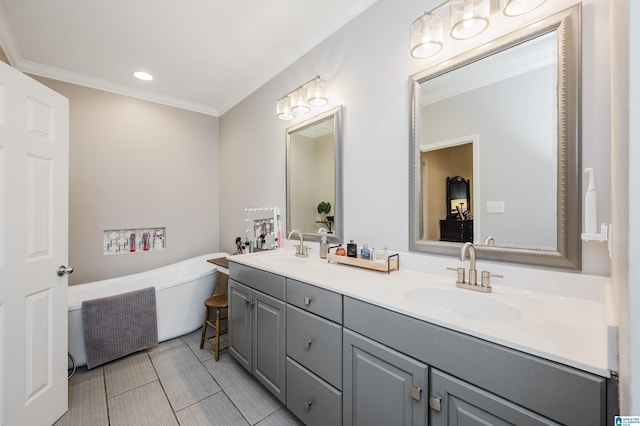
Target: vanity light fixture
520	7
318	92
426	35
141	75
315	92
299	101
283	109
469	18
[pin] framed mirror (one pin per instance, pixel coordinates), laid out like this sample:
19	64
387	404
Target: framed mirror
505	119
314	176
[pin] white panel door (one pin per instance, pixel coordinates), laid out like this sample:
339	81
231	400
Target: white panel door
34	156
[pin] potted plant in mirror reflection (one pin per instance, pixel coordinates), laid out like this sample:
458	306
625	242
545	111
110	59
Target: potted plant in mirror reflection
324	208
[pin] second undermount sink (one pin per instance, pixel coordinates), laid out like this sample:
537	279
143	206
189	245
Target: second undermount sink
464	303
281	259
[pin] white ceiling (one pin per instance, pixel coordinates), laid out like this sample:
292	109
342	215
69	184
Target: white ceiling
205	55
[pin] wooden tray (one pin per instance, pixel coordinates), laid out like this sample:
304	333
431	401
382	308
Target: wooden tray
392	263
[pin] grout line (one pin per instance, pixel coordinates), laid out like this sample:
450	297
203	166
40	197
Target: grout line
106	397
222	389
162	387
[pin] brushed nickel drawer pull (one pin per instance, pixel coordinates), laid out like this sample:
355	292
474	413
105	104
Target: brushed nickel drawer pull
307	405
307	343
307	301
434	403
416	393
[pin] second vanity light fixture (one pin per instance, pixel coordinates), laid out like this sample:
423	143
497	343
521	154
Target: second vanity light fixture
467	19
313	93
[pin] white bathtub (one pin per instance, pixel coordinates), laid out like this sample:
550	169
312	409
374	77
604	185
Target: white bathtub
181	289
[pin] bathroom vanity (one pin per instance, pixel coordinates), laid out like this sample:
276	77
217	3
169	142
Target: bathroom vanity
341	345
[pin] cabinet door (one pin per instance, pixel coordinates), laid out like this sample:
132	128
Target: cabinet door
269	343
455	402
382	386
240	336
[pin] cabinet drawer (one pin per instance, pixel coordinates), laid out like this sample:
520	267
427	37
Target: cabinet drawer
314	299
315	343
266	282
310	398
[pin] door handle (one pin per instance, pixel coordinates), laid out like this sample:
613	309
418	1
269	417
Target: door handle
62	269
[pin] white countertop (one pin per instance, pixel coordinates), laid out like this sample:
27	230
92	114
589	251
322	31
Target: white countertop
575	331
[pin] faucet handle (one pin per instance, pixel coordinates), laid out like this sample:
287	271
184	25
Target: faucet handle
486	278
460	277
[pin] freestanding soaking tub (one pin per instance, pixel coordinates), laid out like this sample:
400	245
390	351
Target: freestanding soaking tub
181	289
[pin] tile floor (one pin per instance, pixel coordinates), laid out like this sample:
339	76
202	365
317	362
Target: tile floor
174	383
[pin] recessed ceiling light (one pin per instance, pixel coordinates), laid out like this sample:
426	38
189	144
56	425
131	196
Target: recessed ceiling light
143	75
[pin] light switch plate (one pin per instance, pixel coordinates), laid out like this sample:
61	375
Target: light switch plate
495	206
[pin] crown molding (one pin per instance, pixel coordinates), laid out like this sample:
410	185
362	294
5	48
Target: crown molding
121	89
7	42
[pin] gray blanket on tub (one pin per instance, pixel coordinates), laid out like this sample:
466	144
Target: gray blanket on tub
116	326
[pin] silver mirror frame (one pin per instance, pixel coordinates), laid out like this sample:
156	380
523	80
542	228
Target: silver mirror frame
337	113
568	255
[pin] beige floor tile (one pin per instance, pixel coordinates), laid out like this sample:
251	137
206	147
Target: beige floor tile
184	379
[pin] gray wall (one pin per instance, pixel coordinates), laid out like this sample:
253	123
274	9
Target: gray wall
137	164
368	65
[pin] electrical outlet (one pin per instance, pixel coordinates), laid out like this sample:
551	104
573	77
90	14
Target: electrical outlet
495	206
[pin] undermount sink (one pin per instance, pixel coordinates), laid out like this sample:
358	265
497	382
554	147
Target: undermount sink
280	259
464	303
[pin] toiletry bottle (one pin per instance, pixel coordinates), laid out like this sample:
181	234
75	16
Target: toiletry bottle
352	249
365	253
340	251
590	205
324	246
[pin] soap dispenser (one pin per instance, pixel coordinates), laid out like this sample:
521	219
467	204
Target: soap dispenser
324	246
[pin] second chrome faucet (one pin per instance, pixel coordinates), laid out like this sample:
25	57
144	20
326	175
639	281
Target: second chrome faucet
301	250
485	284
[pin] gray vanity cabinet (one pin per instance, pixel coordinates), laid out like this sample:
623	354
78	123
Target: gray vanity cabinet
470	378
240	323
382	386
314	354
257	321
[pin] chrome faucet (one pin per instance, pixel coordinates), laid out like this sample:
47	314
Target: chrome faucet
473	273
473	284
301	250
